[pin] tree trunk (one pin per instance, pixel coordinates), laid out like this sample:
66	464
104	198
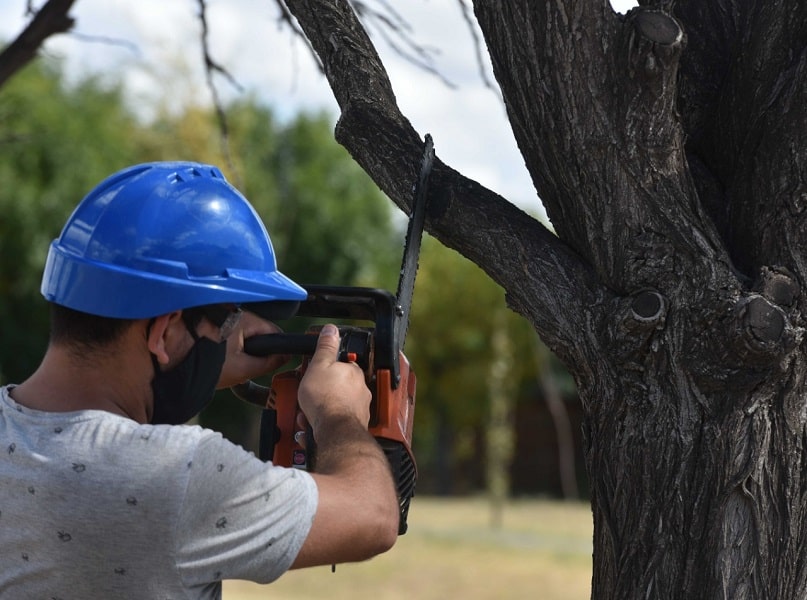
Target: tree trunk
667	147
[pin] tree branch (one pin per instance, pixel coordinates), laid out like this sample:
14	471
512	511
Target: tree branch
212	67
50	20
503	240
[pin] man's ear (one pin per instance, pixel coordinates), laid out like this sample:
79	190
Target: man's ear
158	333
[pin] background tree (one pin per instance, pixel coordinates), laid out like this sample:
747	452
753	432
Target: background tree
552	379
467	385
329	224
47	163
499	430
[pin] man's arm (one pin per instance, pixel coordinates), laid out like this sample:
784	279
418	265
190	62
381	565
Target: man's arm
357	513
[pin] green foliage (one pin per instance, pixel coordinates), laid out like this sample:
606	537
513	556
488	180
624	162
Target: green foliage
457	311
329	223
451	331
56	142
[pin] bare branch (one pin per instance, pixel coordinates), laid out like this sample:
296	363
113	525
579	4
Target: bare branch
467	15
106	41
212	67
396	32
288	19
51	19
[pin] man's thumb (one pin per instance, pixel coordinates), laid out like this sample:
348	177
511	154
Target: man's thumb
328	342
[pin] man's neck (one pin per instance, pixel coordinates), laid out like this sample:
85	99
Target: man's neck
65	383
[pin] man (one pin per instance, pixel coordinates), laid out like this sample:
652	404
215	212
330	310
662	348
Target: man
157	278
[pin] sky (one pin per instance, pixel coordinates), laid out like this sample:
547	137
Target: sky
154	45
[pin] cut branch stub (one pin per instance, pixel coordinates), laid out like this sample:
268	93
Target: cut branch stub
779	286
648	306
658	27
763	320
642	313
657	43
638	319
763	331
737	351
639	314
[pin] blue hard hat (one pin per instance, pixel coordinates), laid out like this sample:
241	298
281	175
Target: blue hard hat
163	236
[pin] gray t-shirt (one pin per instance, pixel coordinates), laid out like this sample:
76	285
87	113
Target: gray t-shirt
93	505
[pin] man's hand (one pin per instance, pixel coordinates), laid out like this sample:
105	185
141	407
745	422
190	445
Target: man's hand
240	366
331	388
357	511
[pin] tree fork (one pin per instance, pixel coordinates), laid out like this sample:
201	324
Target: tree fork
503	240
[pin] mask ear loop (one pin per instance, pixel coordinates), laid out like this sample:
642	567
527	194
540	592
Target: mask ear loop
191	320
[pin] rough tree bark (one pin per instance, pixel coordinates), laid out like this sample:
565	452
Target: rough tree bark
667	147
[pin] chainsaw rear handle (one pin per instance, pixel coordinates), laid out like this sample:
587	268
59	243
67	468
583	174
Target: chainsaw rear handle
356	344
355	304
280	343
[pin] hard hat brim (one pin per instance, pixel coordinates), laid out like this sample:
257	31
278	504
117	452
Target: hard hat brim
69	277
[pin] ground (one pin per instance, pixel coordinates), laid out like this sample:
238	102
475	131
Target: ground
542	550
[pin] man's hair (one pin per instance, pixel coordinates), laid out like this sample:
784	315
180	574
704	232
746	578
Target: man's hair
84	332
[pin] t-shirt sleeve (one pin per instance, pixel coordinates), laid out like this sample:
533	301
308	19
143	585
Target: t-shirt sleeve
241	518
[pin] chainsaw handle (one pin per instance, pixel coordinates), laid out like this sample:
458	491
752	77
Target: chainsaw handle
281	343
355	345
264	345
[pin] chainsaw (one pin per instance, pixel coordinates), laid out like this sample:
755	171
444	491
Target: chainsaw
373	338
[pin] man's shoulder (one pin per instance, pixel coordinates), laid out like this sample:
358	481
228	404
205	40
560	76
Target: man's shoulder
170	442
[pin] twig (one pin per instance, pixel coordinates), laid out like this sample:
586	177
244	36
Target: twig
211	67
470	21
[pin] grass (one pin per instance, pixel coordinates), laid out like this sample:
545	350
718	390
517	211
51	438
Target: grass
542	549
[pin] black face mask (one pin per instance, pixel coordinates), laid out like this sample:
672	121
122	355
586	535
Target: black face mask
181	393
